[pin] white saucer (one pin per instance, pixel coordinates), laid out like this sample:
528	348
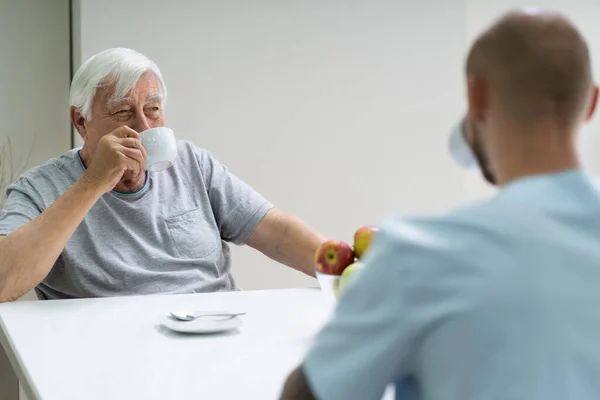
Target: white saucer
201	325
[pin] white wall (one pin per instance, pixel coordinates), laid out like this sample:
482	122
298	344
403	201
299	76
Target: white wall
34	80
34	84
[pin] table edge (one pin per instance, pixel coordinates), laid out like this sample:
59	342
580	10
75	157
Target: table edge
17	363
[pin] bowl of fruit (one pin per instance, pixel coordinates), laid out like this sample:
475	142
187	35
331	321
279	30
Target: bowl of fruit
336	262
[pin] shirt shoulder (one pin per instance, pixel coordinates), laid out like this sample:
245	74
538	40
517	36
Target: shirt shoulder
67	161
193	162
186	149
446	233
441	254
50	178
187	153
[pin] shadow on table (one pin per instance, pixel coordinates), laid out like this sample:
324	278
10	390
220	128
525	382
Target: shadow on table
178	335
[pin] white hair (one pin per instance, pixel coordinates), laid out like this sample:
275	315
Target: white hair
121	66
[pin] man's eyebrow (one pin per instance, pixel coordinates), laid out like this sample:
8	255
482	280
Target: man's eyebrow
155	97
124	100
128	100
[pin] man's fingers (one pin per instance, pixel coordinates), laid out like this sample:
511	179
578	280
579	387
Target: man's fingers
135	154
133	143
134	158
143	149
130	142
125	132
134	166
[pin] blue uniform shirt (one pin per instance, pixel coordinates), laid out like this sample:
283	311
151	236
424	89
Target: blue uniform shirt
499	300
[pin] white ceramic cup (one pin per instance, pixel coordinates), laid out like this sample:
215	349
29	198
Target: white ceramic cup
161	148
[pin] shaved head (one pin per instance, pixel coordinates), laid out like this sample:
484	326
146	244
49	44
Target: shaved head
536	65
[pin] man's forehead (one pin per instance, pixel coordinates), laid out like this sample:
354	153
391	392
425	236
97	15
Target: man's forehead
146	89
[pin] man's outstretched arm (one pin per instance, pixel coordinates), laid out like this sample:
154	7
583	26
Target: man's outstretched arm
296	387
286	239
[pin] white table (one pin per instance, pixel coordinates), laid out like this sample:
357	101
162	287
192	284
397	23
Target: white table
116	349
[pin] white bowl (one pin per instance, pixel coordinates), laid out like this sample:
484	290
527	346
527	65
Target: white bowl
330	285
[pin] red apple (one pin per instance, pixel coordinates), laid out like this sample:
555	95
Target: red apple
333	256
363	239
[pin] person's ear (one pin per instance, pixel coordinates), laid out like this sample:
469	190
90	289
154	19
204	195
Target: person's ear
593	104
78	122
477	98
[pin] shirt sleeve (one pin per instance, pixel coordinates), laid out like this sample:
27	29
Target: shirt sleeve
369	342
237	207
19	208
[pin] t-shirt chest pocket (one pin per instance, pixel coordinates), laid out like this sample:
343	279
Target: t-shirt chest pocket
193	235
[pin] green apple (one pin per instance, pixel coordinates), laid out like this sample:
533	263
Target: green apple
349	274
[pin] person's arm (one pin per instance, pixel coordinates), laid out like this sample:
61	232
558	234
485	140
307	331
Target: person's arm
245	217
287	239
296	387
29	252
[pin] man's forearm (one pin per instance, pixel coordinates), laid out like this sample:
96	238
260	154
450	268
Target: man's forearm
29	252
288	240
298	244
296	387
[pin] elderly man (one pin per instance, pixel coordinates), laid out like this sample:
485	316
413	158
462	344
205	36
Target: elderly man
94	223
497	300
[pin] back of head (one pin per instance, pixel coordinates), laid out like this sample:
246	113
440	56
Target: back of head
537	65
120	67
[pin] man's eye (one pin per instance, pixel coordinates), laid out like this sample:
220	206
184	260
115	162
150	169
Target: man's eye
122	112
152	111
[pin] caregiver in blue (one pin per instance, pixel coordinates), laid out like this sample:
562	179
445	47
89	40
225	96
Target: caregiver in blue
499	299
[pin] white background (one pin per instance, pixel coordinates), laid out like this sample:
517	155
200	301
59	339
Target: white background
34	78
337	111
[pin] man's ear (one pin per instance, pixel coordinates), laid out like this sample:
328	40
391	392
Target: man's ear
78	122
593	104
477	98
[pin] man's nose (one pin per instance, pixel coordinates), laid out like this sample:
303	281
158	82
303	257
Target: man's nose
141	123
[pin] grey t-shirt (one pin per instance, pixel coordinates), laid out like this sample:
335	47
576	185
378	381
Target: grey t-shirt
169	237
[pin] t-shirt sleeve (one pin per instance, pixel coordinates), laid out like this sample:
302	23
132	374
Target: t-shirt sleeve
237	207
368	343
19	208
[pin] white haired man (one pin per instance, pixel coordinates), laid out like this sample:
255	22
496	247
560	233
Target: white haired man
93	223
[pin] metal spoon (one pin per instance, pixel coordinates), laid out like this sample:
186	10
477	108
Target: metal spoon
190	315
